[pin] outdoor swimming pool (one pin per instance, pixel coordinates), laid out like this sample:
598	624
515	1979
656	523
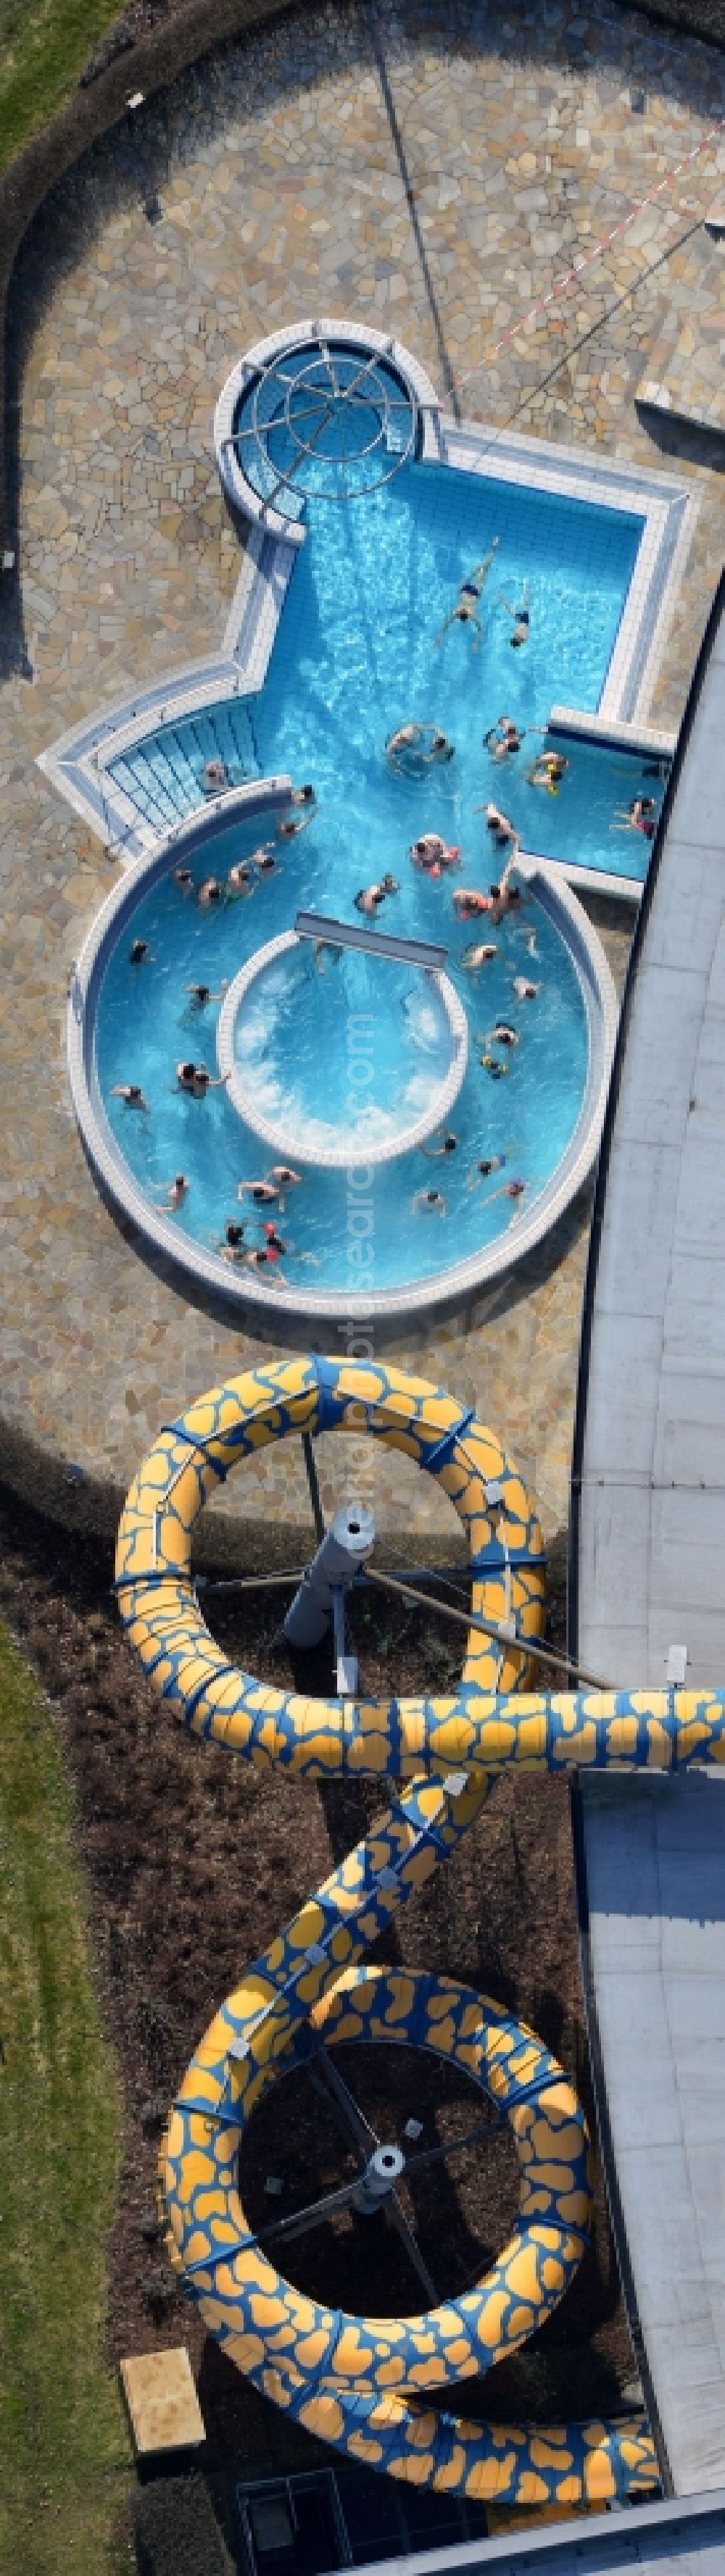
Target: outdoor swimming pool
355	655
360	650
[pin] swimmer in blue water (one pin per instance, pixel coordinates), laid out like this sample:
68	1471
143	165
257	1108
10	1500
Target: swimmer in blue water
521	618
416	747
491	1163
466	608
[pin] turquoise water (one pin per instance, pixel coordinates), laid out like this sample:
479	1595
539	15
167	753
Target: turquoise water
145	1025
355	656
599	785
384	1014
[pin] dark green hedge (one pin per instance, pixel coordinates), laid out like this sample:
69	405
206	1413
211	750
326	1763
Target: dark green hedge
176	2532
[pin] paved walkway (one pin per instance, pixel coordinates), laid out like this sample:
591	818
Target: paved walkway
426	179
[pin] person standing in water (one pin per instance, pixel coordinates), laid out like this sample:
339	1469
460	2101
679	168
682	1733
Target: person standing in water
466	608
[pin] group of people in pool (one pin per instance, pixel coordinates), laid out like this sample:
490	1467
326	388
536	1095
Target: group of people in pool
503	899
274	1247
505	738
236	1244
243	878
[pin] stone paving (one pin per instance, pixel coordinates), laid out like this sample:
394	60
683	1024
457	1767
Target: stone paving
435	168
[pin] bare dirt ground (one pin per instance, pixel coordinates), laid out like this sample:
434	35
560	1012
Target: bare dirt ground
192	1863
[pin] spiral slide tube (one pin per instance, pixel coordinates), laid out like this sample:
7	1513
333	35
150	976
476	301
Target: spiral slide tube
359	2382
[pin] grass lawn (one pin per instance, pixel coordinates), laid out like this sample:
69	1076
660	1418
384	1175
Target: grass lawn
43	47
63	2443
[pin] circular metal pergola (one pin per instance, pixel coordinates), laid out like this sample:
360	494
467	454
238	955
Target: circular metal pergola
326	422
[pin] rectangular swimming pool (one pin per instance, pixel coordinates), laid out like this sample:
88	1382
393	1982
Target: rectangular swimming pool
359	651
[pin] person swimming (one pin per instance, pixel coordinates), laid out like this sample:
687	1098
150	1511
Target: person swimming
547	770
196	1080
521	617
417	747
288	829
176	1194
465	612
498	823
475	957
431	853
491	1163
503	738
275	1243
445	1145
508	1190
130	1093
201	994
468	902
368	899
640	816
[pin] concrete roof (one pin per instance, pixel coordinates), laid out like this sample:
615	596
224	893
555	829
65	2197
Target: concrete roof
654	1944
651	1520
648	1550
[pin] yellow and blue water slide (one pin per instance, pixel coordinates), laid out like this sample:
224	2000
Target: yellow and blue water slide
365	2384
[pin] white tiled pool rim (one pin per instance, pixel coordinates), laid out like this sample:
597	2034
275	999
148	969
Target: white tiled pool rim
349	1146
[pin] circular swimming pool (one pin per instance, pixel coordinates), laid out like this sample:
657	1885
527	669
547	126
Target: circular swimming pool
339	1051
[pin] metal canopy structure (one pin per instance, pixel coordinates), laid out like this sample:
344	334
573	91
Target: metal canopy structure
325	422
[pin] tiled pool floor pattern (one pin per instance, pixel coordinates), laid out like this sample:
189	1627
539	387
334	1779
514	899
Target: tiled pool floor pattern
281	192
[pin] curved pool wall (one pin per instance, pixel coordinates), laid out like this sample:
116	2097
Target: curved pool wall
333	1152
195	1270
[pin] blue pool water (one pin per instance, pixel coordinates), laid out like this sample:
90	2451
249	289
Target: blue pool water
355	656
